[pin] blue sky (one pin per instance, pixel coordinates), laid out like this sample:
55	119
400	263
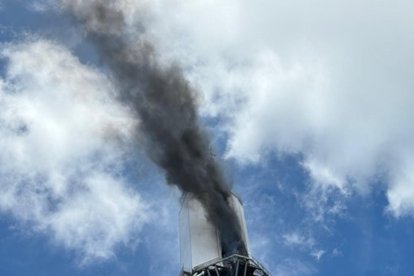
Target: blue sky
309	106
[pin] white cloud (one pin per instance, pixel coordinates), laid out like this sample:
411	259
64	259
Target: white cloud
330	81
62	135
317	254
324	176
96	219
42	6
401	193
295	239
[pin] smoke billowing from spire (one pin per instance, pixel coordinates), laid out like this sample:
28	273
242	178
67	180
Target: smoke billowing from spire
166	106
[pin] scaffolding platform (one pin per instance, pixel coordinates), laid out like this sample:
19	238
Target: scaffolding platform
235	265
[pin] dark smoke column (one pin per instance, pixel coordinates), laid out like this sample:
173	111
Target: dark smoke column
165	104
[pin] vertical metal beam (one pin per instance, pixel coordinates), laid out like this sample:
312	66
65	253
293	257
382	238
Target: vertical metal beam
245	268
237	268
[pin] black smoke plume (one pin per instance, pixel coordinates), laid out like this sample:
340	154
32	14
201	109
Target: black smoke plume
165	104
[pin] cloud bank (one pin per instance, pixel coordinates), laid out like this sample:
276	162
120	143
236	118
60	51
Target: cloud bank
62	136
330	82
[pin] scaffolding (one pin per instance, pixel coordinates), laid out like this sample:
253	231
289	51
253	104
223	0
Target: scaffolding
235	265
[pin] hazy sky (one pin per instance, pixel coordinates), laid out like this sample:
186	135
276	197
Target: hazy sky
309	105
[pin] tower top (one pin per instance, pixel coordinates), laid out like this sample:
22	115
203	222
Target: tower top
200	246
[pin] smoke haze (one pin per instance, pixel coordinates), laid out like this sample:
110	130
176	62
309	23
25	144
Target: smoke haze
165	104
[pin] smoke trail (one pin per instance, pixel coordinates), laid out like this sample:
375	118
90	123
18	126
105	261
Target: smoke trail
166	107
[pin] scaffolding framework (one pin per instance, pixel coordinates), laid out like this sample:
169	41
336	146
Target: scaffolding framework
235	265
